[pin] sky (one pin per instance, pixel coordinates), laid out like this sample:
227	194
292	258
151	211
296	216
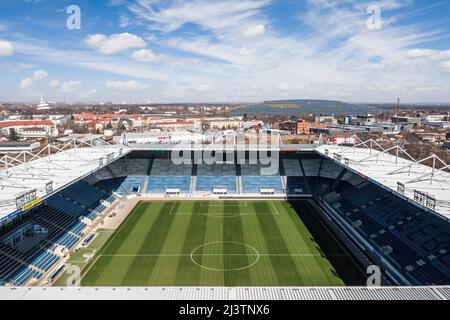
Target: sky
165	51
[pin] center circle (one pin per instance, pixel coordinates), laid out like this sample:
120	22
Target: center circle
225	256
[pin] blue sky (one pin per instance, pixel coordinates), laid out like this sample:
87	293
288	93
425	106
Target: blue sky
225	50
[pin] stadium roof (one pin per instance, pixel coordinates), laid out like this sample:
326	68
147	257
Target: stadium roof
25	172
224	147
390	170
68	166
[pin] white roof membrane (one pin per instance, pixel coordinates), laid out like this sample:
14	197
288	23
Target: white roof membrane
62	168
389	170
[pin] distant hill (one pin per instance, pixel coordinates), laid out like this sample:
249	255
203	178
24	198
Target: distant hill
296	107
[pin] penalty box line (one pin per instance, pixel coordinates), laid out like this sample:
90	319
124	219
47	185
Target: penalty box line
225	213
223	204
245	206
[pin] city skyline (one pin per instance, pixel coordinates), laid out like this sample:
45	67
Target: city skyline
225	51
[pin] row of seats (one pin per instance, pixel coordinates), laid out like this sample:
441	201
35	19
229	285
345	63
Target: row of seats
295	185
254	184
159	184
165	175
84	194
131	184
26	275
44	260
292	168
61	216
66	205
209	183
165	167
206	184
415	241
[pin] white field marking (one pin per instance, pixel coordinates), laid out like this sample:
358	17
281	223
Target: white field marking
223	204
273	206
223	254
256	253
224	214
171	209
109	241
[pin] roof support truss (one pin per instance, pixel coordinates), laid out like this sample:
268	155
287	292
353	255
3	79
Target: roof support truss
373	145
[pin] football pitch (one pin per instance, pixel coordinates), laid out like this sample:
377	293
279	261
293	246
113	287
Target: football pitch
213	243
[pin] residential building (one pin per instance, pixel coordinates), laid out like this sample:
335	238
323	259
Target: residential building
30	128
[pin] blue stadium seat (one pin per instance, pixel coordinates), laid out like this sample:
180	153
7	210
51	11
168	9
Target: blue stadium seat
123	186
84	194
420	240
208	183
254	184
159	184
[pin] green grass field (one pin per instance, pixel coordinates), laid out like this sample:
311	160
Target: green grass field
213	243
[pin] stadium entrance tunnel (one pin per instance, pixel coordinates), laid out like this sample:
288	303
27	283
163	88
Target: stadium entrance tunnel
224	256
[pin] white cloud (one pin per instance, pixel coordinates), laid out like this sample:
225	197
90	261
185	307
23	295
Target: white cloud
25	83
54	84
124	21
421	53
37	76
288	88
88	94
331	55
283	87
446	65
114	43
215	15
23	65
245	52
126	85
70	87
428	53
201	87
6	48
255	31
144	55
337	58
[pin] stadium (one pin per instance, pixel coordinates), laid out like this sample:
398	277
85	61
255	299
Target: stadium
132	216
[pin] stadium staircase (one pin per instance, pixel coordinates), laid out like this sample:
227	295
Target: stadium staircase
240	189
315	183
308	187
150	166
146	185
192	184
334	183
282	176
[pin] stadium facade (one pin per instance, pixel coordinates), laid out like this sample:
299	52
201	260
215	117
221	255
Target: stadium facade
385	207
